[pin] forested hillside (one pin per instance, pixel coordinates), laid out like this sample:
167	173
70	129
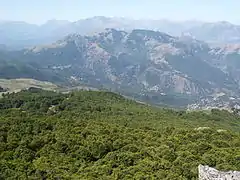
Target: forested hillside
101	135
12	67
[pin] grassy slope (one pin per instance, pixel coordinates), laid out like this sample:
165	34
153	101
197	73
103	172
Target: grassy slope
16	85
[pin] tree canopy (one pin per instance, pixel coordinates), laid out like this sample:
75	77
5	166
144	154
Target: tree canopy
101	135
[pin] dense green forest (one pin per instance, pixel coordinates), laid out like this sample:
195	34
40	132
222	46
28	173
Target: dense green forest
101	135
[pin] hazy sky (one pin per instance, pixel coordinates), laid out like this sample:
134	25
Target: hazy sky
39	11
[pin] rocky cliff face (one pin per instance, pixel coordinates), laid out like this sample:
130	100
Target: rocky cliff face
208	173
227	58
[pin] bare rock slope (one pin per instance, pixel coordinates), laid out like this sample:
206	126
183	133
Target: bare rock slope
208	173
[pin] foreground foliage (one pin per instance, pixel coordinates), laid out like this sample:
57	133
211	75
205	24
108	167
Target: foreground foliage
100	135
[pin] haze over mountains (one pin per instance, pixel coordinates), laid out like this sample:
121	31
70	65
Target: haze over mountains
20	34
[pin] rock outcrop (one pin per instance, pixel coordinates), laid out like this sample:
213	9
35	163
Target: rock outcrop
208	173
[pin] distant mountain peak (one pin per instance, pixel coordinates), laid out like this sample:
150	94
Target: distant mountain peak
21	34
56	22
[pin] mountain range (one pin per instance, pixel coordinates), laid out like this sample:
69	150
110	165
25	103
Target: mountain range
86	100
149	65
16	35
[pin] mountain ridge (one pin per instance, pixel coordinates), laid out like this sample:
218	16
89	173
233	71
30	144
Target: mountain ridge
21	34
145	62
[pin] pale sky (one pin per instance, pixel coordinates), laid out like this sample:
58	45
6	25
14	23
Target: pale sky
39	11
